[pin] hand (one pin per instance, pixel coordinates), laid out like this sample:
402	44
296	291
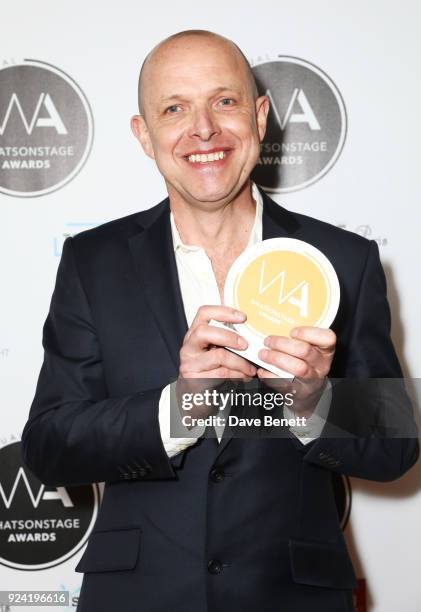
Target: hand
203	356
308	355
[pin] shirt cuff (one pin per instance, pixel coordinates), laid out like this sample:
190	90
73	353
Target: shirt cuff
315	423
173	446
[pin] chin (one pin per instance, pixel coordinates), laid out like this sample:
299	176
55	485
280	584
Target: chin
213	194
209	196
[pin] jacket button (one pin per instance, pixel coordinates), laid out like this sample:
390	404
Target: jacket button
214	566
217	475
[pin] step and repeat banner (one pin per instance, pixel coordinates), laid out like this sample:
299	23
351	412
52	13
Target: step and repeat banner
342	145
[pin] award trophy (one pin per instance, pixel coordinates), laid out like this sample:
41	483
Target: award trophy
280	283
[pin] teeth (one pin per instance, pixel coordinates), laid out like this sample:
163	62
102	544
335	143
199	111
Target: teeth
203	158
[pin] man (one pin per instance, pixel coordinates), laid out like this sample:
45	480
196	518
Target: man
207	524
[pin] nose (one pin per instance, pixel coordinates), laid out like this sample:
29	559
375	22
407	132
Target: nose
204	124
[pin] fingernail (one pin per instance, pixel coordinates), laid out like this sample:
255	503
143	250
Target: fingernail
263	354
267	341
239	315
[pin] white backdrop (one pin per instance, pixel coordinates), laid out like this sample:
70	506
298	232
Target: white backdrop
371	51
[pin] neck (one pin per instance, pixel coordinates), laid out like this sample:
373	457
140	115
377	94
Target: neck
218	228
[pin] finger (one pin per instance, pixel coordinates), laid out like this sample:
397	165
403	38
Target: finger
233	374
323	339
218	373
204	335
296	348
224	314
281	385
220	357
286	362
262	373
285	383
233	362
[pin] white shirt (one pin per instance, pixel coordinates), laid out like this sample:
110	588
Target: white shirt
198	287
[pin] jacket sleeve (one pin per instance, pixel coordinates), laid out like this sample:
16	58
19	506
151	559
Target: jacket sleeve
76	433
367	452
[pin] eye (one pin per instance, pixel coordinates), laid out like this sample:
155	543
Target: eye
171	110
226	102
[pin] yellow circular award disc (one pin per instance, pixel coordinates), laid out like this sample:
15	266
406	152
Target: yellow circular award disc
282	283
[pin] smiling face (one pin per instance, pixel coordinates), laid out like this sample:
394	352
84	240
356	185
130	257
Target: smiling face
200	120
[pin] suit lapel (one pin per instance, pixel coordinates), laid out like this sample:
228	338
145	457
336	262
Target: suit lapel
153	253
277	222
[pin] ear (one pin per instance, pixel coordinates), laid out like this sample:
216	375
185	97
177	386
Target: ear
141	132
262	111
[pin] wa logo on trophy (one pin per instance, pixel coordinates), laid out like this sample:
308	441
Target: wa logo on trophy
46	129
40	526
280	283
307	124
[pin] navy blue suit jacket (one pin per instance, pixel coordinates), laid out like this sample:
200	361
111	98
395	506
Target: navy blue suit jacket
246	525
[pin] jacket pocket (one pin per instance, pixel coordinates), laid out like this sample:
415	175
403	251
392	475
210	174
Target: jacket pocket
110	551
319	564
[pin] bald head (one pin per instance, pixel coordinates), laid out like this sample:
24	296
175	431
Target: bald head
165	47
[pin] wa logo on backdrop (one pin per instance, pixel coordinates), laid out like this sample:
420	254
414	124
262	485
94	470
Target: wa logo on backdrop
40	526
46	129
306	126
